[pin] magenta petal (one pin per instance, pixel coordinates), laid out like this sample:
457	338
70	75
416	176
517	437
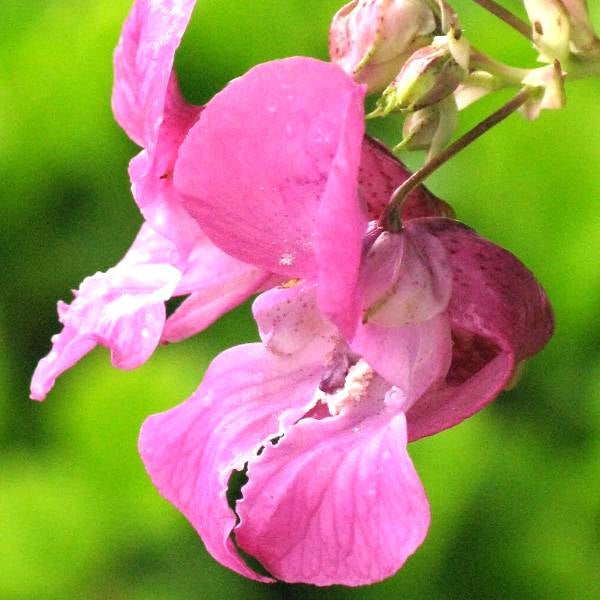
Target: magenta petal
336	501
342	224
255	167
151	174
122	309
405	277
412	357
216	283
289	320
454	401
143	64
148	105
202	308
379	176
499	316
248	396
494	294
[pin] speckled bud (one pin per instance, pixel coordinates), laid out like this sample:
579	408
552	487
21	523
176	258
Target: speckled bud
551	28
371	39
584	40
429	75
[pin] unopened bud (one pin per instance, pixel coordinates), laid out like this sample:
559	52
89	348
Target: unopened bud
419	129
429	128
428	76
371	39
584	40
550	28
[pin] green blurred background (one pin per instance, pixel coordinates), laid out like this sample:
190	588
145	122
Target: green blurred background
514	491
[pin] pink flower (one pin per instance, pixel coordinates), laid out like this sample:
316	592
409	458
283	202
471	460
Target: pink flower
375	338
123	309
292	205
320	423
387	337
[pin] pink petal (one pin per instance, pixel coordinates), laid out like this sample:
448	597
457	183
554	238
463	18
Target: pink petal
148	105
256	165
204	307
336	501
458	398
412	357
405	277
216	283
207	266
289	320
499	316
248	397
143	63
379	176
341	226
122	309
151	174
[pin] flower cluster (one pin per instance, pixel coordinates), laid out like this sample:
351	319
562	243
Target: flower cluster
370	338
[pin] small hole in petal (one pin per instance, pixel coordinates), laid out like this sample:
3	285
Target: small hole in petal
172	304
237	481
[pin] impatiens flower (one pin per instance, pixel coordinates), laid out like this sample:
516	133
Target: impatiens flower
370	338
332	494
377	338
319	423
172	256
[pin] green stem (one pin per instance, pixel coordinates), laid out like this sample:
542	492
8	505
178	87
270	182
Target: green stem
390	219
509	76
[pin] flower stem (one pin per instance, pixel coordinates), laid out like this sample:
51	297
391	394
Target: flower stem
507	75
506	16
390	219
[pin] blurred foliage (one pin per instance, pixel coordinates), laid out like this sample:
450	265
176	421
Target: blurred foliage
514	491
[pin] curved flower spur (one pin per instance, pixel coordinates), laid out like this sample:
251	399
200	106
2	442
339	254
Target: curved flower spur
375	338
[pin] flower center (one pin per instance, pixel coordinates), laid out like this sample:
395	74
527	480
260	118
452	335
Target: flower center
350	391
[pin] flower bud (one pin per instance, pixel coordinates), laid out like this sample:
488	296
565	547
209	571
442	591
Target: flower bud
584	40
428	76
371	39
419	129
550	28
429	128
